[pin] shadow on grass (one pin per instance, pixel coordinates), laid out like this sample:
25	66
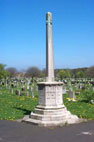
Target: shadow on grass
84	101
25	111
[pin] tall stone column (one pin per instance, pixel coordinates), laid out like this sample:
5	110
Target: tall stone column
49	49
50	110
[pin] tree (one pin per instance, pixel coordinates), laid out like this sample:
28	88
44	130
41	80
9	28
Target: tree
43	73
64	74
33	72
90	72
12	71
3	72
75	71
80	74
67	74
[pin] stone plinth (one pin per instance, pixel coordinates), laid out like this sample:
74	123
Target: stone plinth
51	111
50	93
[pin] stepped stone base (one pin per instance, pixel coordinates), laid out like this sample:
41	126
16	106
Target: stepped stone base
50	111
51	116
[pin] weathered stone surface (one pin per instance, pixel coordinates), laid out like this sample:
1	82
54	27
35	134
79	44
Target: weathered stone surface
50	94
50	111
52	117
49	49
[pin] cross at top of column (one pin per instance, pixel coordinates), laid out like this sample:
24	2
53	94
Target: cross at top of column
49	17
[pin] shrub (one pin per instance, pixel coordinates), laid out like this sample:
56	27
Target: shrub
88	95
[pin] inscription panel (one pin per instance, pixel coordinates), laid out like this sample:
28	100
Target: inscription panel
53	95
50	95
41	95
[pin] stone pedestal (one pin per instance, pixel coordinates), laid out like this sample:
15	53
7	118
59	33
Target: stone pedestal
50	94
51	111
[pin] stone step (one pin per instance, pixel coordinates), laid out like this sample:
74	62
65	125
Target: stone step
46	123
49	117
71	120
51	112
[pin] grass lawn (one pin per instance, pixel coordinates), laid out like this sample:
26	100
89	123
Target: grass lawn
14	107
80	108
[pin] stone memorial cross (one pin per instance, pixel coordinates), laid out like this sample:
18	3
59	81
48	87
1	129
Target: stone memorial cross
50	110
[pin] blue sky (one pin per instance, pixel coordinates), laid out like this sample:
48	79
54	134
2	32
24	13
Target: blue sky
22	33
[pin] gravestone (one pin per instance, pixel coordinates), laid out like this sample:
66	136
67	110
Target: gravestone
32	92
19	92
50	110
72	95
11	90
63	90
92	88
27	93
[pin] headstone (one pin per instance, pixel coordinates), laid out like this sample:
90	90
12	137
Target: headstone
93	88
36	88
23	88
11	90
27	93
32	93
19	92
92	102
83	87
28	86
63	90
72	95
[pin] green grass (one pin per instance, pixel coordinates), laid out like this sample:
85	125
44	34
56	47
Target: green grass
15	107
80	108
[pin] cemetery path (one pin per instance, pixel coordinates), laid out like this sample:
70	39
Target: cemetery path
22	132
